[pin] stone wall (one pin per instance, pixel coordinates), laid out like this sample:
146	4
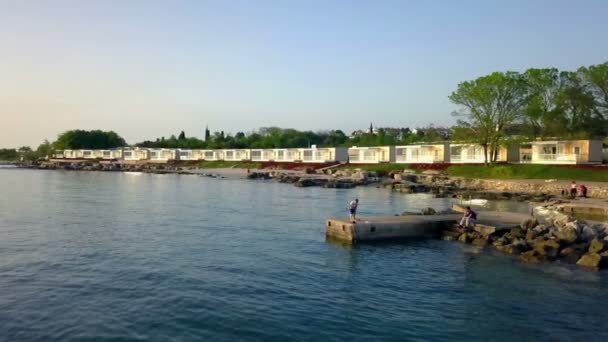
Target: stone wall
597	190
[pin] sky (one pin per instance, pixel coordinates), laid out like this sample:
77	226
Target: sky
150	68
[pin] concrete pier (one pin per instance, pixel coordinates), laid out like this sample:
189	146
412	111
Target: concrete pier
389	227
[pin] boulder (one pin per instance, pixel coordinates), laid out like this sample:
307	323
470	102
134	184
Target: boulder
540	229
593	260
531	235
517	232
464	238
514	248
429	211
597	246
588	233
571	254
532	257
567	234
529	223
479	242
361	175
549	248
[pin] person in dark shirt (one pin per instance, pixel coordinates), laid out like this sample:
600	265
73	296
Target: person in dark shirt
468	219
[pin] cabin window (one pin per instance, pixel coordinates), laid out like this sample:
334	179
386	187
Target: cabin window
577	150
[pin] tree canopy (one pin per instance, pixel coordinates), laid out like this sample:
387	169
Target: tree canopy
81	139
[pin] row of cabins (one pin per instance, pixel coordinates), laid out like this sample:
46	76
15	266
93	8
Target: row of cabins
538	152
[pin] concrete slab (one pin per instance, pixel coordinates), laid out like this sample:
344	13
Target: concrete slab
389	227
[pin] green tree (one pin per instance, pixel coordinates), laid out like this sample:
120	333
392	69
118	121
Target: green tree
81	139
182	136
489	104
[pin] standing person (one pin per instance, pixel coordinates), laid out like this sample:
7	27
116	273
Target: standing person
583	190
352	209
573	189
468	219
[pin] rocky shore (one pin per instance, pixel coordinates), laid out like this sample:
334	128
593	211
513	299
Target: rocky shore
556	237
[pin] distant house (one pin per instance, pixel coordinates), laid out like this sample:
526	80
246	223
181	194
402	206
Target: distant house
316	154
423	153
235	154
109	154
287	155
162	154
371	155
262	155
135	154
183	154
562	152
463	153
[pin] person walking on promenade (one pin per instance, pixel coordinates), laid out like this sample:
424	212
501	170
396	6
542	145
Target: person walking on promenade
573	189
468	219
352	210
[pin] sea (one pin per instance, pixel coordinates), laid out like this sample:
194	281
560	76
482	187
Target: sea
99	256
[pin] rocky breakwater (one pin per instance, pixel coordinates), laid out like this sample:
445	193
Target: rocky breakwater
340	179
563	238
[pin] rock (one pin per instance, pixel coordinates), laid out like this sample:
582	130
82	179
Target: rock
361	175
597	246
406	213
463	238
593	260
529	223
513	249
532	257
531	235
479	242
484	230
452	233
540	229
571	254
428	211
567	234
517	232
588	233
548	248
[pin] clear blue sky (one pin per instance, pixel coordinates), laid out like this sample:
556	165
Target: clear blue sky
151	68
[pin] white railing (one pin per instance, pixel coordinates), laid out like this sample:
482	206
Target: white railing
418	159
558	157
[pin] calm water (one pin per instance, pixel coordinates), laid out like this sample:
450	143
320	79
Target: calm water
111	256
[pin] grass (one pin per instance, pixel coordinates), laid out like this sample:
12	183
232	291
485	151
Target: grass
376	167
599	174
229	164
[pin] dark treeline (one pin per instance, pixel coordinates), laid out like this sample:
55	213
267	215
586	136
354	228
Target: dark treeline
275	137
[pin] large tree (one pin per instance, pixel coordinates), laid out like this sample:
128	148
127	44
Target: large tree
489	104
81	139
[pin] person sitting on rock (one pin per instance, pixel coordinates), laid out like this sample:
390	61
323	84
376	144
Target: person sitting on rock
468	219
583	190
352	209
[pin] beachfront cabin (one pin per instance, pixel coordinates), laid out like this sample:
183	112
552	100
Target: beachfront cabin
371	155
109	154
564	152
262	155
185	154
211	155
423	153
135	154
468	153
287	155
59	154
162	154
235	154
316	154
